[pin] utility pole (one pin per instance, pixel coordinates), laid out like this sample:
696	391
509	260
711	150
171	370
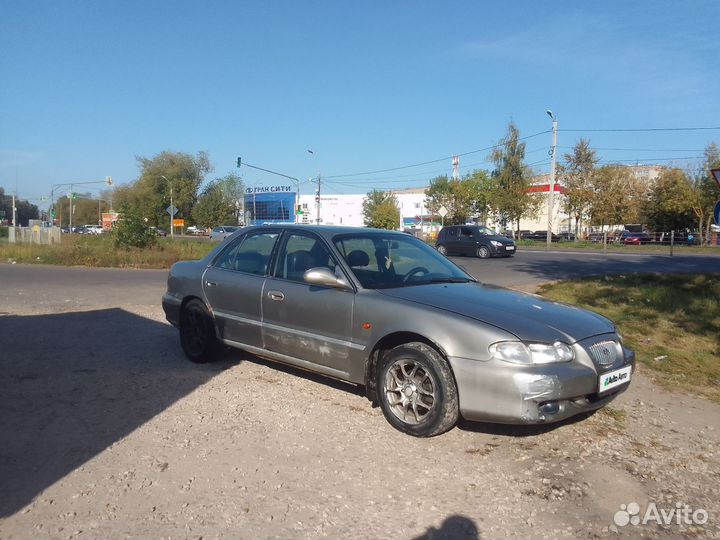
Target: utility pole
14	212
551	195
317	201
70	197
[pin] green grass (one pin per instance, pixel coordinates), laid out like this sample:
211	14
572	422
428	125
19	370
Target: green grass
671	321
76	250
621	248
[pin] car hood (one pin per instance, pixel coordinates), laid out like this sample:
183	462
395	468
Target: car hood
529	317
498	238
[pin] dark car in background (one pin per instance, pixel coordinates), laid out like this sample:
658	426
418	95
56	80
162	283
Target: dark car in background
475	240
538	236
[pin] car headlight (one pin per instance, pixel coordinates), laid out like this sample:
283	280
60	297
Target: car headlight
531	353
496	243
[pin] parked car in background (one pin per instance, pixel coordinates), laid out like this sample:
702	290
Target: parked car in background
475	240
223	231
384	310
158	231
633	238
566	236
539	236
679	238
195	231
93	229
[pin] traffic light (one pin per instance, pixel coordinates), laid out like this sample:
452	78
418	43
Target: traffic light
239	162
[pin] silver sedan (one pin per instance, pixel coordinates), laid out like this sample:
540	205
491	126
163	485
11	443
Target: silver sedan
384	310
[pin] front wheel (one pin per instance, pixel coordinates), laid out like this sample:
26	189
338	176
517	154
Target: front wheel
417	391
197	333
483	252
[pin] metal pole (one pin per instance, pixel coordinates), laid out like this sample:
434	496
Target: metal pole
14	212
317	200
172	213
552	183
672	242
71	207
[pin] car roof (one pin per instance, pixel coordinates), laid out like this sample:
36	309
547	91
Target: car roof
327	231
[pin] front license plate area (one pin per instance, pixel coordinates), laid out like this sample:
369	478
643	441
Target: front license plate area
613	379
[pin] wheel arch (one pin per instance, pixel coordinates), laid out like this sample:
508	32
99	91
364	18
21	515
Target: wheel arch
388	343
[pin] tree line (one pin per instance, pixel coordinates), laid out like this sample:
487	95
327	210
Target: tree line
594	195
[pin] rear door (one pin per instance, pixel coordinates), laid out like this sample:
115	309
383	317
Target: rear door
305	321
234	283
452	241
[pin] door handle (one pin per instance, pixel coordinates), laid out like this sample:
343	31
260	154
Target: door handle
276	295
211	284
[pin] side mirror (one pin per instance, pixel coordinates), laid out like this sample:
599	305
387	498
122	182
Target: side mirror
324	277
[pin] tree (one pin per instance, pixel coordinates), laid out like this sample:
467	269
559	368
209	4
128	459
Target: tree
464	199
380	210
131	230
618	197
669	202
509	198
25	210
220	202
704	192
150	193
576	176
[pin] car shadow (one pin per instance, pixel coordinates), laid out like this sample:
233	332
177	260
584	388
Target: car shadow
72	384
519	430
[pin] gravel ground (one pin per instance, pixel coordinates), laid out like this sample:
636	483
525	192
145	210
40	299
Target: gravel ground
109	432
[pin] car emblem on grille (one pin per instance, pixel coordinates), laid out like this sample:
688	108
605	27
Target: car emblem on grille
604	353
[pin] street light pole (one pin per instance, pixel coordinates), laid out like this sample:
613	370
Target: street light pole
172	208
551	195
317	196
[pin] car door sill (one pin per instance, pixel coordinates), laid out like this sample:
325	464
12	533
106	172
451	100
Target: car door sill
285	359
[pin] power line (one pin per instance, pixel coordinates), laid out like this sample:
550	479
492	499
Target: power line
432	160
637	149
643	129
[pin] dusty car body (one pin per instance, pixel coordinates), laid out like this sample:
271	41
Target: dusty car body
384	310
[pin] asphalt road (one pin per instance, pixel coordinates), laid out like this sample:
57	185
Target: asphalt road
68	288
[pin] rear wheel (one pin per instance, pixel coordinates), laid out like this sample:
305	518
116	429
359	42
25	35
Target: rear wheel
197	333
483	252
442	250
417	391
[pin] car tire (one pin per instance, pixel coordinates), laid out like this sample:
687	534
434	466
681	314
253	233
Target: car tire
484	252
417	391
197	333
442	250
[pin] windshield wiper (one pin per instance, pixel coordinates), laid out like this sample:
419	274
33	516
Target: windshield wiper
450	280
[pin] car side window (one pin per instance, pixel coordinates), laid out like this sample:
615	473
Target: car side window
453	232
466	232
251	254
300	253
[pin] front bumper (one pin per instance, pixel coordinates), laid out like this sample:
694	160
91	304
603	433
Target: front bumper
497	391
501	251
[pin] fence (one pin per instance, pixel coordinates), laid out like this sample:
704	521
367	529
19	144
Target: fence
34	235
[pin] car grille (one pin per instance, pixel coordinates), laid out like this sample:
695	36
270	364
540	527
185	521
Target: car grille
605	353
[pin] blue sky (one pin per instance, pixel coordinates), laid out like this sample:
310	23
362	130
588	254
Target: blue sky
88	85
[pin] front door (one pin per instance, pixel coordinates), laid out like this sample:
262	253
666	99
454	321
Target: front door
303	321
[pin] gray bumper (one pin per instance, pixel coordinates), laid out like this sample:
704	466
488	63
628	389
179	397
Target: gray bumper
496	391
171	307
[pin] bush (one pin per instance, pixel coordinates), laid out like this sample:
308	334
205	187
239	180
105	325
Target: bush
3	232
131	230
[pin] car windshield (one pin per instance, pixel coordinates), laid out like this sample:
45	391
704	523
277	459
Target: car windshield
486	231
384	261
229	228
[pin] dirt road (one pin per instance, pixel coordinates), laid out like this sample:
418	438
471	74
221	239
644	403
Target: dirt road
108	432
